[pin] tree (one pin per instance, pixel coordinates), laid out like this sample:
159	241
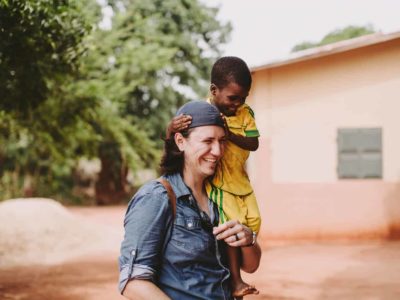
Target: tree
346	33
157	55
47	120
69	89
40	46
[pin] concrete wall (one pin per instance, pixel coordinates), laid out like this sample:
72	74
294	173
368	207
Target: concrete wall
299	108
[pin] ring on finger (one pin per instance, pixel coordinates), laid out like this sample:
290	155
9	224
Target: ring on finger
237	237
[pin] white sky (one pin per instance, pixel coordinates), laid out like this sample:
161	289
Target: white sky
265	30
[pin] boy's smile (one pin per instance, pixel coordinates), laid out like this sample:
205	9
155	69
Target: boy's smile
229	98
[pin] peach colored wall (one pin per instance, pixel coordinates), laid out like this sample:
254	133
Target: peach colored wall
299	108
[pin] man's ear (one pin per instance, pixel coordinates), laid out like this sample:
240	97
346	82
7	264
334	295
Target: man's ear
179	141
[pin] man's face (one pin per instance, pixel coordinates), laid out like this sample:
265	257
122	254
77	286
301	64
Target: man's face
229	98
203	148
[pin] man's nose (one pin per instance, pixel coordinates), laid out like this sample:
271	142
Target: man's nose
217	149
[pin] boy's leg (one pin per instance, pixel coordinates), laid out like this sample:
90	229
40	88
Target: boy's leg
239	287
234	208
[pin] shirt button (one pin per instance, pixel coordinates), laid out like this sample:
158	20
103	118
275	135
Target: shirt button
190	225
133	252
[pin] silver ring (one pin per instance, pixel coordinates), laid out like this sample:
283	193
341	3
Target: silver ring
237	237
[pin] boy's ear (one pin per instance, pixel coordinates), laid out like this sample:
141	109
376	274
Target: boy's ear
179	141
213	89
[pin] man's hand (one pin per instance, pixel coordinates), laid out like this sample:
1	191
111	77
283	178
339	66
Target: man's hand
234	233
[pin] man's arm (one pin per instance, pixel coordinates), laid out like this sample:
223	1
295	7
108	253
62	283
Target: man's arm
147	223
143	289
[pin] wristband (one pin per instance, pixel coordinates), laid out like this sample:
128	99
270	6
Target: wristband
253	241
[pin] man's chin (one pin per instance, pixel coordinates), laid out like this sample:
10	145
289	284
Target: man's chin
210	172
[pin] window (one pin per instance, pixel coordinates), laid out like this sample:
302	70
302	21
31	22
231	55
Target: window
359	152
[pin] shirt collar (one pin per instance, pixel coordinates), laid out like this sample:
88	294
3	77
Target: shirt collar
179	187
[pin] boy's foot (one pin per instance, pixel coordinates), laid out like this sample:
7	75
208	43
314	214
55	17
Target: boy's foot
244	289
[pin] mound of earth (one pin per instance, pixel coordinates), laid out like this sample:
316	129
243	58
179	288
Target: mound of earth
42	231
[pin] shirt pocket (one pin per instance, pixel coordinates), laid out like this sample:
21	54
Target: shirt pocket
189	236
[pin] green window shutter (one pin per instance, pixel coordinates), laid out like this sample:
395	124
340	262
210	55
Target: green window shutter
360	153
348	160
371	152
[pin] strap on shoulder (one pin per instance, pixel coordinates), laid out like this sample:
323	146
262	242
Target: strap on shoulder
170	192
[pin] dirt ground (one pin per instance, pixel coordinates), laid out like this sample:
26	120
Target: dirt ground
366	270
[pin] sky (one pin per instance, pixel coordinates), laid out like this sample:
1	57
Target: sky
266	30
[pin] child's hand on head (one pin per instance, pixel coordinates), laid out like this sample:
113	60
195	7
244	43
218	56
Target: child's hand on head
181	122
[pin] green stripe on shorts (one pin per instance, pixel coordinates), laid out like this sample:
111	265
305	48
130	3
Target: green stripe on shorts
221	202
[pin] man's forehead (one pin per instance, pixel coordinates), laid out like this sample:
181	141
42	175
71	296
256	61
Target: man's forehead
208	132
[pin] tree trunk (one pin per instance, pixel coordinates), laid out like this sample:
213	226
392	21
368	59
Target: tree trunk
28	188
111	186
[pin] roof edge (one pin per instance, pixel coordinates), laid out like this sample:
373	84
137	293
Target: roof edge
329	49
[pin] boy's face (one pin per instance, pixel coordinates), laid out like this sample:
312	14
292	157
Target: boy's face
229	98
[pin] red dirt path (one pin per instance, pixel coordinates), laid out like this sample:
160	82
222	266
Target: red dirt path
368	270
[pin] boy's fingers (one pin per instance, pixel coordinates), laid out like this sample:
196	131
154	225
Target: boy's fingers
181	122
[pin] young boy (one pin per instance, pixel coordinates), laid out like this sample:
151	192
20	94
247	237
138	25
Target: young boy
230	187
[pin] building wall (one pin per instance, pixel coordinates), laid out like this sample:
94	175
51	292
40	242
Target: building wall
299	108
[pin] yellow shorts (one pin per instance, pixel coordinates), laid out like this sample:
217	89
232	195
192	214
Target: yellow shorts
234	207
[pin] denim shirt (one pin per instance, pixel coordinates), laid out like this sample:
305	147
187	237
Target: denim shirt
180	255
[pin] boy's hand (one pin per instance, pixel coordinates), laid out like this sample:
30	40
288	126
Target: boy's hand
246	143
178	123
228	132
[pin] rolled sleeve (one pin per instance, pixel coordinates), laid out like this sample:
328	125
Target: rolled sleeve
250	123
147	222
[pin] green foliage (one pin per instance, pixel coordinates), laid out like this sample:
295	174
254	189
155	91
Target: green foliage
337	35
161	52
41	43
40	40
69	89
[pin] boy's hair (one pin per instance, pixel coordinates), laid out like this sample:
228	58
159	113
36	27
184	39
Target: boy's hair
229	69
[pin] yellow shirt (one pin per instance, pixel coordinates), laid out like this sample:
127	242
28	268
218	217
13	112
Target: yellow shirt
231	175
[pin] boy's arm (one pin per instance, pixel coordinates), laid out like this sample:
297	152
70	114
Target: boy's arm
244	142
250	140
